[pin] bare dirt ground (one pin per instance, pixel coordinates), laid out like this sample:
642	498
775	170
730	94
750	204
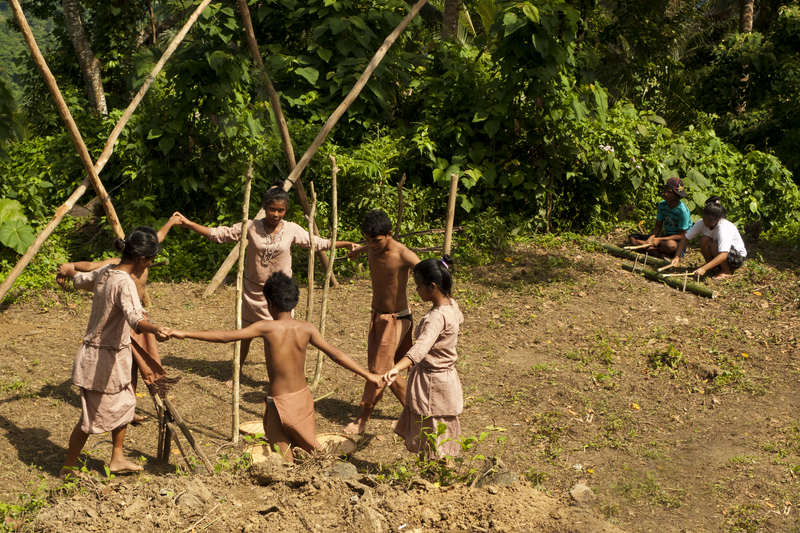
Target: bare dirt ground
679	412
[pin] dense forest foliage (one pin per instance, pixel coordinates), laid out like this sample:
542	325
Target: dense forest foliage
556	115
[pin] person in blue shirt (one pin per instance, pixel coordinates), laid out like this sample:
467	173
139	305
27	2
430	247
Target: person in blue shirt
672	217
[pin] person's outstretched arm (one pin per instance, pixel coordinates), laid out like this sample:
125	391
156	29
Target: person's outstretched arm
250	332
681	246
68	270
175	219
341	358
188	224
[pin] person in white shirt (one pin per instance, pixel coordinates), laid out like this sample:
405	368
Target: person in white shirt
720	242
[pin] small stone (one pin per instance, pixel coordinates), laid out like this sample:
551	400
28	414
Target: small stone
196	494
342	471
429	515
582	495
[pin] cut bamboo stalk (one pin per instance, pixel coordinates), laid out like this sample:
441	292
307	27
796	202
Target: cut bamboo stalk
676	275
639	247
694	288
399	206
619	252
310	219
237	346
354	92
662	269
451	213
325	288
105	155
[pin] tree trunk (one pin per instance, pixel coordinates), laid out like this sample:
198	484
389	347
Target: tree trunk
745	26
450	20
90	66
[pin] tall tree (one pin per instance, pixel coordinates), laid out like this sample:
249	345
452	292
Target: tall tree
450	19
90	66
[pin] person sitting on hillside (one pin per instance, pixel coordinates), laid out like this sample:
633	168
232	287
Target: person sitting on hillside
672	216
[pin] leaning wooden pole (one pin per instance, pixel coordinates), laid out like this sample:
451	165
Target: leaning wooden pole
237	347
354	92
66	116
451	214
105	155
325	288
694	288
283	129
310	219
399	206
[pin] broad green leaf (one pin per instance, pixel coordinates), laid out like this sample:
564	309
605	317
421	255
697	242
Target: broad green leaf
16	234
309	73
356	21
11	210
155	133
216	59
338	25
531	12
255	128
166	144
480	116
492	127
512	23
325	55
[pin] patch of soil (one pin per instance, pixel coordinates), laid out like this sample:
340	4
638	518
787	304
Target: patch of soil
679	412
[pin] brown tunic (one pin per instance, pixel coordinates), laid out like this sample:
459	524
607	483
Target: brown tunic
266	254
434	391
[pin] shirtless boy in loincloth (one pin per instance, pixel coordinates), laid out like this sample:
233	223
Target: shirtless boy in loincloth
390	327
144	346
289	414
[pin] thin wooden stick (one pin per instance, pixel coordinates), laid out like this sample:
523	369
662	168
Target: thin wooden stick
451	213
667	267
677	275
105	155
174	434
325	395
310	219
237	346
639	247
399	207
188	434
329	272
354	92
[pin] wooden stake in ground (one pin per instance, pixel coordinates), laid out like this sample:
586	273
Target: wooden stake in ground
451	213
399	203
237	346
105	155
326	288
310	220
354	92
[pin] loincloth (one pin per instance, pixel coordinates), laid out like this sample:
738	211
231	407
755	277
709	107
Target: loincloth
101	412
296	412
383	352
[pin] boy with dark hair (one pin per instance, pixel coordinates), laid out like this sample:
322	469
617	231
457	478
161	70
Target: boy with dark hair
673	216
390	327
289	413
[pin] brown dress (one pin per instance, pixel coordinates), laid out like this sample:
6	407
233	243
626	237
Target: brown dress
434	393
266	254
103	364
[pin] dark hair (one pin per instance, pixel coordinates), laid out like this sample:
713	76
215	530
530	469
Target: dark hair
141	242
275	194
435	271
282	291
714	209
376	223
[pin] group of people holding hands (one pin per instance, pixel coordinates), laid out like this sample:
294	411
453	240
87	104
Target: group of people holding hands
121	339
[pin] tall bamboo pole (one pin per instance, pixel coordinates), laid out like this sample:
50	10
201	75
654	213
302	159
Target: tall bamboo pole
354	92
66	116
329	272
237	346
310	219
105	155
283	129
451	213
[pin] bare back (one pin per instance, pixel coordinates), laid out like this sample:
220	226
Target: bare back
388	271
285	343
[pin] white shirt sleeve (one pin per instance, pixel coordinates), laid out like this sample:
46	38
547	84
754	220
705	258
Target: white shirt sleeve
695	230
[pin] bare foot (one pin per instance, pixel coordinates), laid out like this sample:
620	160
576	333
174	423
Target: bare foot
229	383
123	467
394	424
71	473
138	419
356	427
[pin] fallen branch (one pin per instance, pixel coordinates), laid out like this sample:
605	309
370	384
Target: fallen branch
694	288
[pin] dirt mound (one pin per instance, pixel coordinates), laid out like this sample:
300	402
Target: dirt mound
275	496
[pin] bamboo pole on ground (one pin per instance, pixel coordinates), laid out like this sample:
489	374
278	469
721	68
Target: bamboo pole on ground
310	219
237	346
105	155
694	288
354	92
325	288
451	213
619	252
283	129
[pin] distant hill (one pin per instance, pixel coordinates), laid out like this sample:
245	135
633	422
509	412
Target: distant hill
12	45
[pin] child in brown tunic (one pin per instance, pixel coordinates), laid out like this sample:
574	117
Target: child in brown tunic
103	363
434	392
269	242
289	413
